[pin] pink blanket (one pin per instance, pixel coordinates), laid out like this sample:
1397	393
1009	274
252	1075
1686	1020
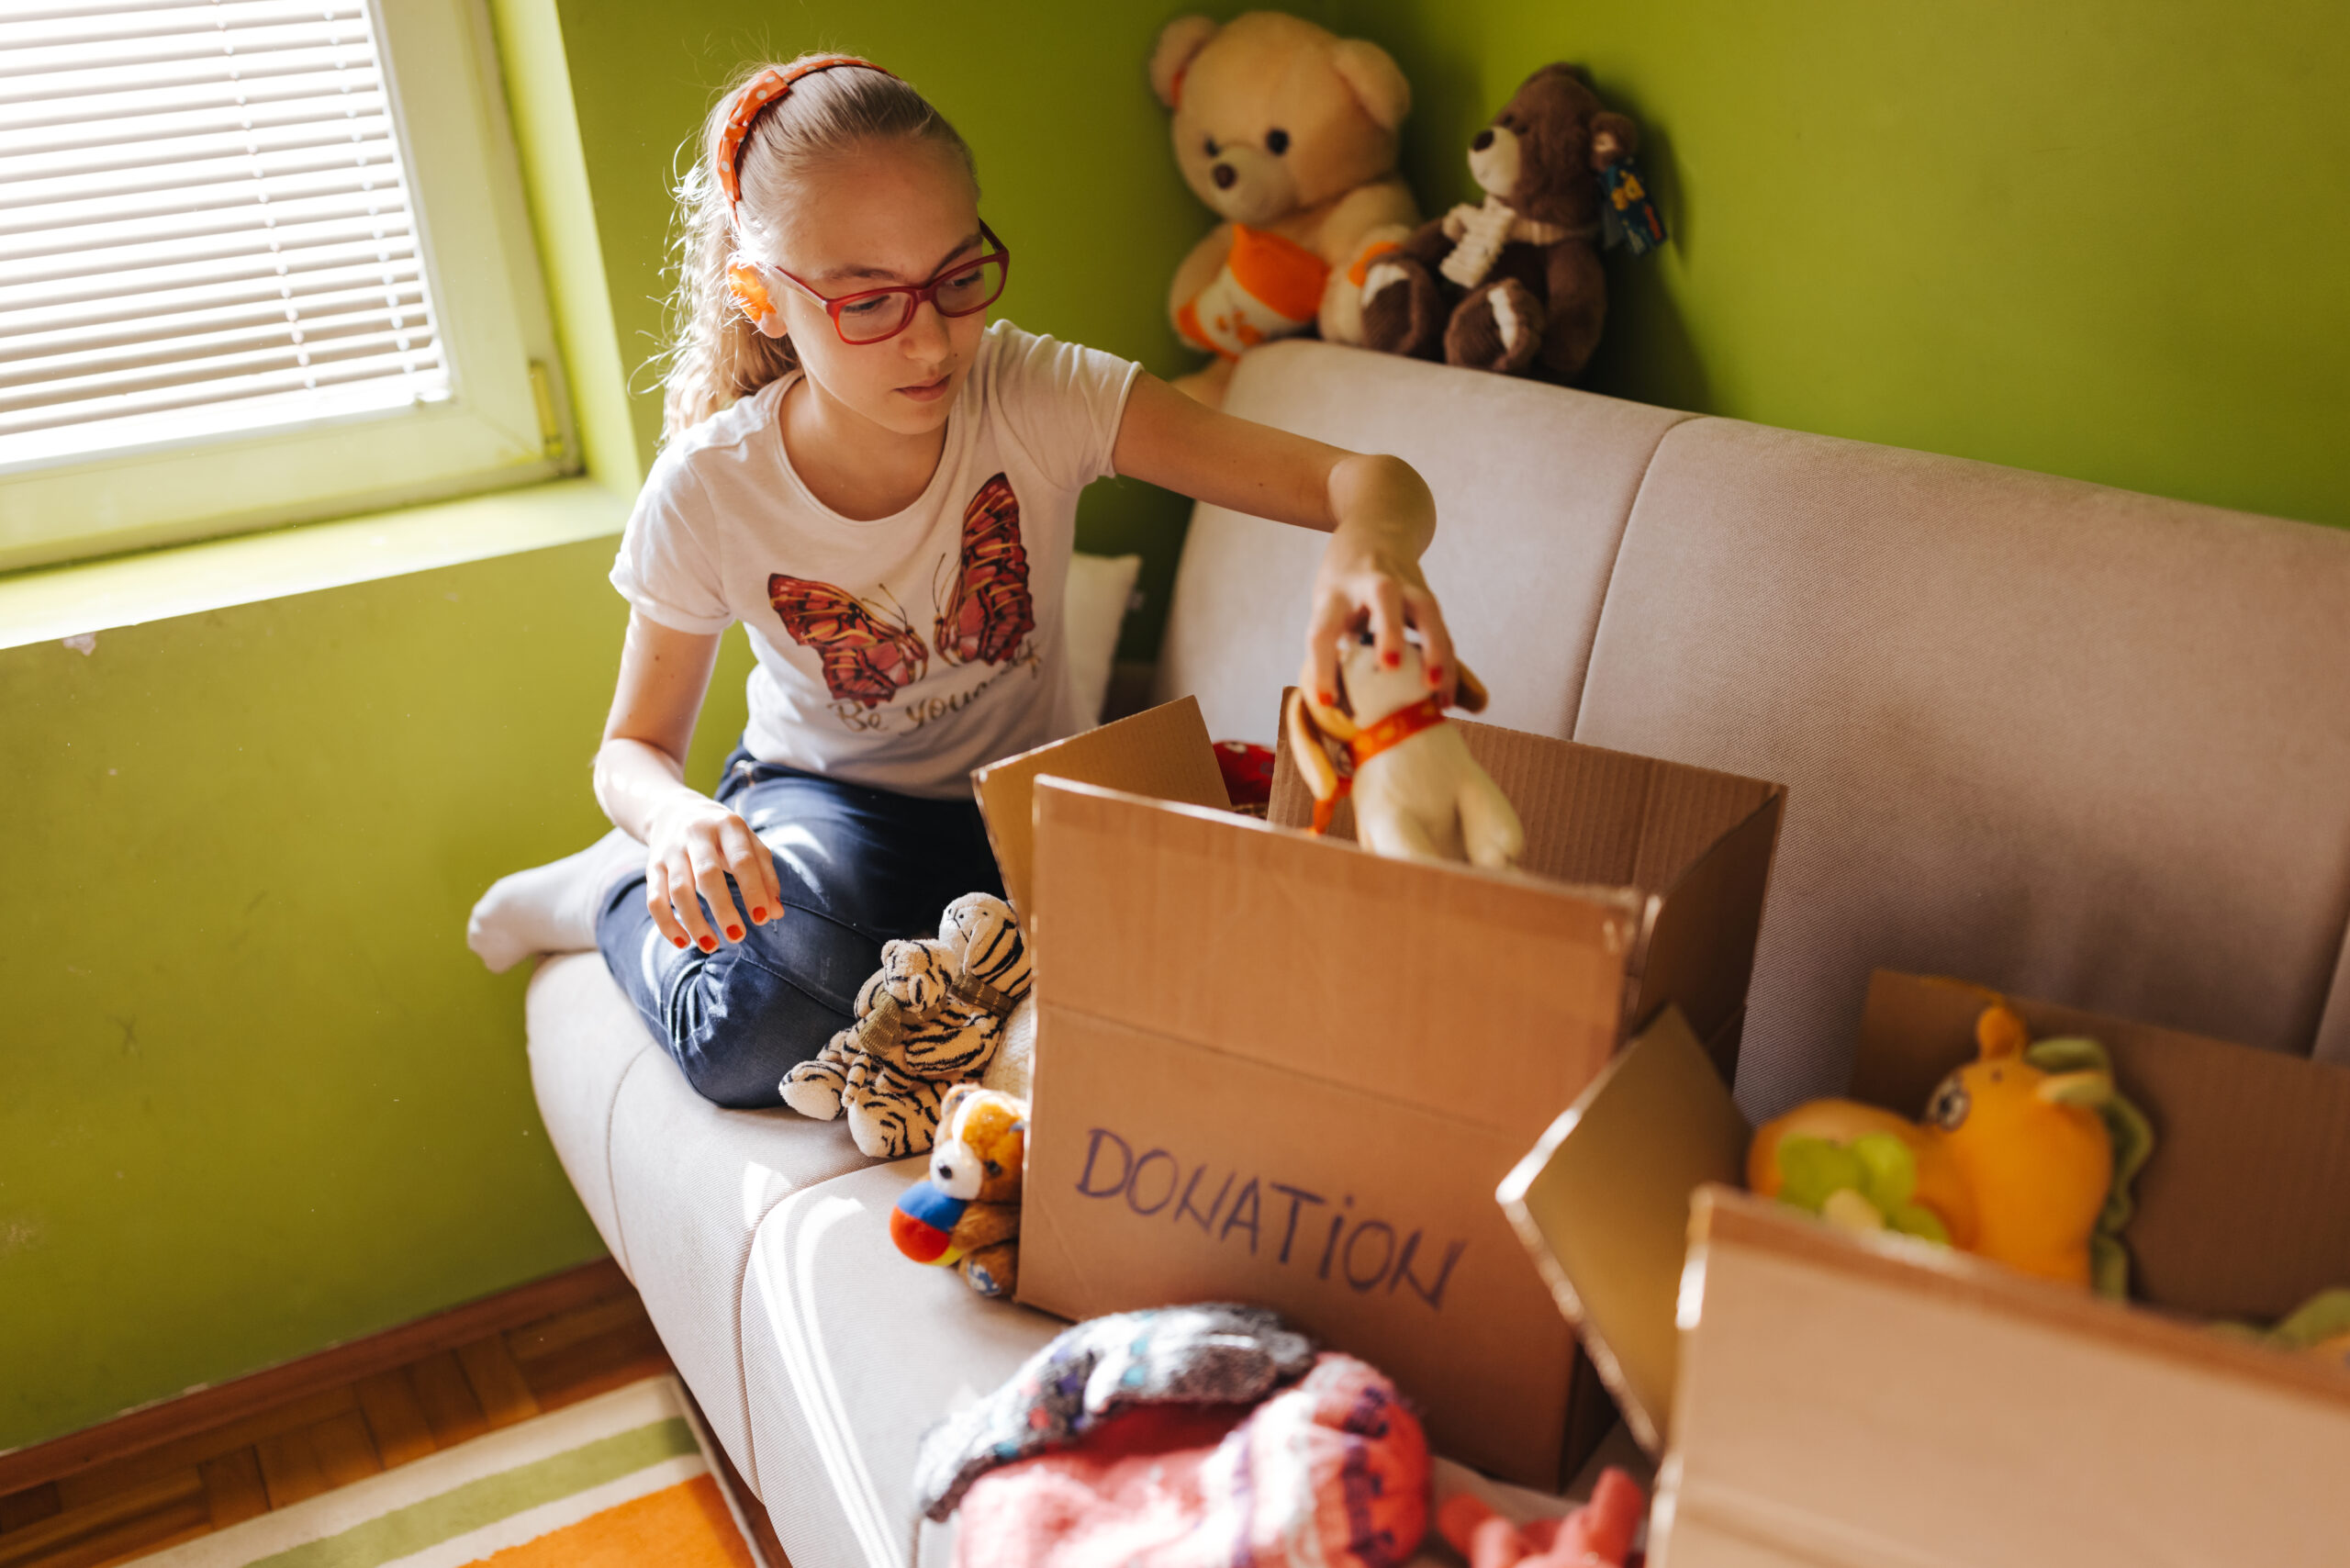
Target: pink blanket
1331	1470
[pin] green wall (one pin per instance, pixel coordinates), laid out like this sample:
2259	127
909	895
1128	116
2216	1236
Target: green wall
255	1096
2099	237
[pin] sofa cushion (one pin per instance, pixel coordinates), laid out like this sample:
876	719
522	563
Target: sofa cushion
583	1037
2068	741
850	1352
676	1185
1532	486
691	1181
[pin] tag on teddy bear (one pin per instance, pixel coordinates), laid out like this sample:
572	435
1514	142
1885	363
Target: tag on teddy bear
1629	216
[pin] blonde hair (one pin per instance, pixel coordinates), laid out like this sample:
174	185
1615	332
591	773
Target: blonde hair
714	355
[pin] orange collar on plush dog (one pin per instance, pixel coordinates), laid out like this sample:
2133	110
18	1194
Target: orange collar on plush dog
1370	740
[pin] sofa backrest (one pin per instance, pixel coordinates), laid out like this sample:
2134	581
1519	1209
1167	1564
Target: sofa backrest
2071	742
1533	485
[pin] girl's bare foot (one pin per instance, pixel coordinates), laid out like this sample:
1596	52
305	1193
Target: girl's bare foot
550	908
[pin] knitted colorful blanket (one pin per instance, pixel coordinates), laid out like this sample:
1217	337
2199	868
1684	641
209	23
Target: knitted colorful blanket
1167	1439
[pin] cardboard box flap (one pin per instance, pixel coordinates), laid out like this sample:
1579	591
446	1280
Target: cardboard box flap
1163	753
2244	1211
1699	953
1592	816
1224	933
1603	1205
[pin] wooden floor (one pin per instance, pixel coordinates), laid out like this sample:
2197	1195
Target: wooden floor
174	1472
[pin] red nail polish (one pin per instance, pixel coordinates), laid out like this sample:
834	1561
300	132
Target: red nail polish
1391	660
759	914
733	933
678	940
709	944
1436	674
1329	698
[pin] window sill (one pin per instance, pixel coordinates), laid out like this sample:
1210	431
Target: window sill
97	596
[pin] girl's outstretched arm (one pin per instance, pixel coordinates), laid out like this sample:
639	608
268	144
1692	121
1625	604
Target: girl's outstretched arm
691	842
1377	510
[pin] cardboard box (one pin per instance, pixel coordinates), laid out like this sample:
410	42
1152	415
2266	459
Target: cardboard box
1273	1068
1836	1399
1164	752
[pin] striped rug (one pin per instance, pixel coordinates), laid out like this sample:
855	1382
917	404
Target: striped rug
619	1480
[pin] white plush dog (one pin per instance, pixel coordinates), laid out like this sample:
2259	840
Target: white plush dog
1416	789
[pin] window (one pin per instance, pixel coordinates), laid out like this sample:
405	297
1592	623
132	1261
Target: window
260	260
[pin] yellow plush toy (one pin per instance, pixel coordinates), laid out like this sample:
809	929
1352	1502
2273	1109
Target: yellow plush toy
1287	133
2025	1155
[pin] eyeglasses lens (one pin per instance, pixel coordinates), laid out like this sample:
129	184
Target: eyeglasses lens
960	293
870	321
973	289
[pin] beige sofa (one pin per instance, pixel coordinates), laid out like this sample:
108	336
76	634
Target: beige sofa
2080	743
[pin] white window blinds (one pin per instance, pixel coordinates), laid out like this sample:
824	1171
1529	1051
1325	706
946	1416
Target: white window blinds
204	225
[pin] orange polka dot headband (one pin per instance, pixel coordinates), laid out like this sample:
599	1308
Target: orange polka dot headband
759	94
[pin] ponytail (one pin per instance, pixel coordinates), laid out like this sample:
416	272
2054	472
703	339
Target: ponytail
715	354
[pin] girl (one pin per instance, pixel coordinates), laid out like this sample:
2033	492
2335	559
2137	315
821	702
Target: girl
882	488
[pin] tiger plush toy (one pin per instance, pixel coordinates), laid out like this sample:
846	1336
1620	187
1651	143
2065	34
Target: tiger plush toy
929	1018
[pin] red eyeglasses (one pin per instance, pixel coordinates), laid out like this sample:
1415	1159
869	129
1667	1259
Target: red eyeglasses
872	315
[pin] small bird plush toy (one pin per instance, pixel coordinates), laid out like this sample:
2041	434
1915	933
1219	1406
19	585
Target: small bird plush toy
966	1214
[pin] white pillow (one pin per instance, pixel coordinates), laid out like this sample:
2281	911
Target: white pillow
1100	590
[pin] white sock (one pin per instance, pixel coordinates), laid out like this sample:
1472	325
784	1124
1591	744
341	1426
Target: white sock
550	908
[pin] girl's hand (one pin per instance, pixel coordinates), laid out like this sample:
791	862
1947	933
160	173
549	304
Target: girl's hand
1371	575
1377	512
692	844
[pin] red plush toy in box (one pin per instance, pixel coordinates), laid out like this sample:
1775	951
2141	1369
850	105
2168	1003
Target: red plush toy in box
1248	775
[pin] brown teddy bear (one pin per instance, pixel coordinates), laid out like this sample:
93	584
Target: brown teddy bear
1515	283
1287	133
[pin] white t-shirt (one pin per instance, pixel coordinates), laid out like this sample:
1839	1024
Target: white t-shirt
905	651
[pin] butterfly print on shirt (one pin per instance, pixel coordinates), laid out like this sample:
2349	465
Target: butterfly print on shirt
869	655
988	610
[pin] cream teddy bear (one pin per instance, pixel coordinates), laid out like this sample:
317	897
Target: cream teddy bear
931	1017
1287	133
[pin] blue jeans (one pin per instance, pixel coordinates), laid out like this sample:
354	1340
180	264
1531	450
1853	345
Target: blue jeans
857	867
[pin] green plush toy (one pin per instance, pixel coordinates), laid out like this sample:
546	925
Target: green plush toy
1866	1184
2320	1327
